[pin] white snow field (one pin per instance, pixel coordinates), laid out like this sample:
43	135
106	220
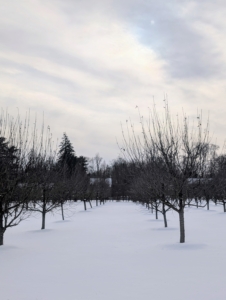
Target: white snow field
116	252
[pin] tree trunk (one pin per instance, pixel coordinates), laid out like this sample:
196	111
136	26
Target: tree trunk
182	228
197	203
156	211
62	210
90	204
165	220
1	236
96	202
44	210
1	225
224	206
164	215
84	201
43	219
2	230
208	204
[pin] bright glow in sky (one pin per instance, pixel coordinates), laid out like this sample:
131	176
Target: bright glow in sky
86	64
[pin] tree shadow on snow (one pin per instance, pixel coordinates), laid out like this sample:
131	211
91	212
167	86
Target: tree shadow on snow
62	221
8	247
184	246
165	228
222	213
40	230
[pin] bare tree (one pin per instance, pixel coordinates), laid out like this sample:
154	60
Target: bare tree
45	176
182	150
100	180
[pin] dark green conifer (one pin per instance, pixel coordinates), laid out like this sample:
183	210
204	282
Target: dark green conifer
66	155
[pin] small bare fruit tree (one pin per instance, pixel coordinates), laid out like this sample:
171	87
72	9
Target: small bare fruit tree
171	151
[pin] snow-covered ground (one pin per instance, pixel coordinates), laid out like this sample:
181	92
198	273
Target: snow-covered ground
116	252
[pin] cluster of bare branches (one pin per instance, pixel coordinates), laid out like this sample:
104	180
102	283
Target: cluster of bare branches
32	179
100	179
173	164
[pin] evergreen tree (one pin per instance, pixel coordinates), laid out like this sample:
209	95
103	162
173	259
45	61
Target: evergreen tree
13	192
66	157
82	161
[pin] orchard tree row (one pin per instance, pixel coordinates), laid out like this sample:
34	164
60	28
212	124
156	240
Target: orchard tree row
36	178
171	165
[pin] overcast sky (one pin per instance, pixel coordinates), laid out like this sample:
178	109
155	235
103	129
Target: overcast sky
86	64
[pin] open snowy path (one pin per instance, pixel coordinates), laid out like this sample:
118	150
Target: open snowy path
116	252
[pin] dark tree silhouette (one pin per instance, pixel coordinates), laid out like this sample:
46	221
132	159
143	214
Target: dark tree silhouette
14	190
66	156
182	149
